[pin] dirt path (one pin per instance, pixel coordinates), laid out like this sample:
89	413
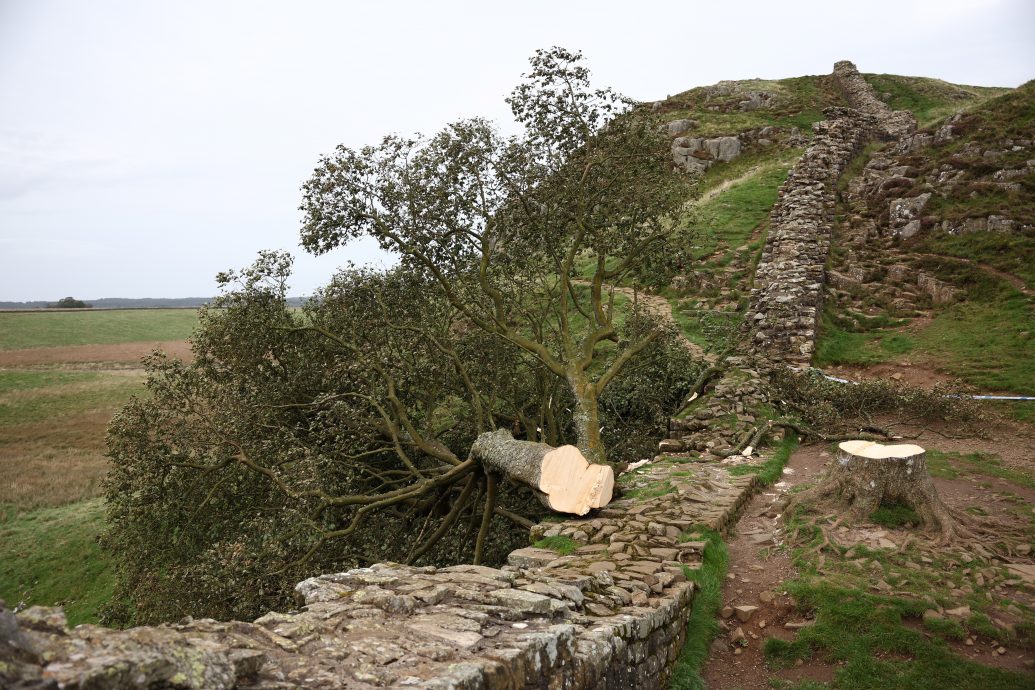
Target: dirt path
1016	281
119	352
759	567
726	184
756	574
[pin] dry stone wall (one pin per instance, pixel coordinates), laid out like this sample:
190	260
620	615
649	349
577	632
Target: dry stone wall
786	300
610	615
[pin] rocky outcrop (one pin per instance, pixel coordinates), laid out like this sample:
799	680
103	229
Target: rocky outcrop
612	614
697	154
904	215
694	155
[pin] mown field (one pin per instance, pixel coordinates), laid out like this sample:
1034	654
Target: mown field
55	329
54	411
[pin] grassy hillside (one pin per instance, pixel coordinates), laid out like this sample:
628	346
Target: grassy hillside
727	233
983	337
799	101
53	418
52	557
50	329
929	99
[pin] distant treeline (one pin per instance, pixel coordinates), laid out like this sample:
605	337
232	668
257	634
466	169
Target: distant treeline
140	303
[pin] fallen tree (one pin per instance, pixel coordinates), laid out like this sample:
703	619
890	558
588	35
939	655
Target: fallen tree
367	426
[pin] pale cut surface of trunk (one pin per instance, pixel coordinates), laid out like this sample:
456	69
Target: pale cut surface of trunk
572	483
561	478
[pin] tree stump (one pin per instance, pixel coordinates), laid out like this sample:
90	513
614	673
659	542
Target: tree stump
562	479
864	474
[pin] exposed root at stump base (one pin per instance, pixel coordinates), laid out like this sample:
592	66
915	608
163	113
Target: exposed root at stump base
863	475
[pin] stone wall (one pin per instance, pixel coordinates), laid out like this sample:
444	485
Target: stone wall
610	615
786	300
892	124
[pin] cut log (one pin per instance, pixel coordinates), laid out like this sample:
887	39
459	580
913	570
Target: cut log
561	477
864	474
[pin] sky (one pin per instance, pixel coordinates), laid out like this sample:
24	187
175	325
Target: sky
146	145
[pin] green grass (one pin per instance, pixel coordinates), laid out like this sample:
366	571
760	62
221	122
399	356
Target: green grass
33	396
1009	252
798	102
864	635
721	226
952	465
565	546
982	343
52	329
748	162
770	471
728	219
18	380
839	341
51	557
895	516
930	99
702	627
881	641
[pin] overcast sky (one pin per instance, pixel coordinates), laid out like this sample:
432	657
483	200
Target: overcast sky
146	145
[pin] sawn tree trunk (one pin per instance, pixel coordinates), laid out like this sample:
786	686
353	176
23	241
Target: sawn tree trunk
561	477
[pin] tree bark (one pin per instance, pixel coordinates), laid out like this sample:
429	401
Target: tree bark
587	420
864	474
561	478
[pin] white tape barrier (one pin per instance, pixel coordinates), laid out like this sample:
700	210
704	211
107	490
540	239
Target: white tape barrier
972	397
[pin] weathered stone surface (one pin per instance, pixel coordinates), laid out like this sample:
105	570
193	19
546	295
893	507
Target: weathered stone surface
696	154
677	127
744	613
786	300
590	620
904	214
531	557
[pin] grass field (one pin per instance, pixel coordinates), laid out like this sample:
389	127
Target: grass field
53	417
52	556
52	329
986	340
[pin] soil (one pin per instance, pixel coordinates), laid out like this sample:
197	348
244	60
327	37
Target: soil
906	373
119	352
759	567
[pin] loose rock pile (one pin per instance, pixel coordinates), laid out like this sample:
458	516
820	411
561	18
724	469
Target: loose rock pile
717	421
